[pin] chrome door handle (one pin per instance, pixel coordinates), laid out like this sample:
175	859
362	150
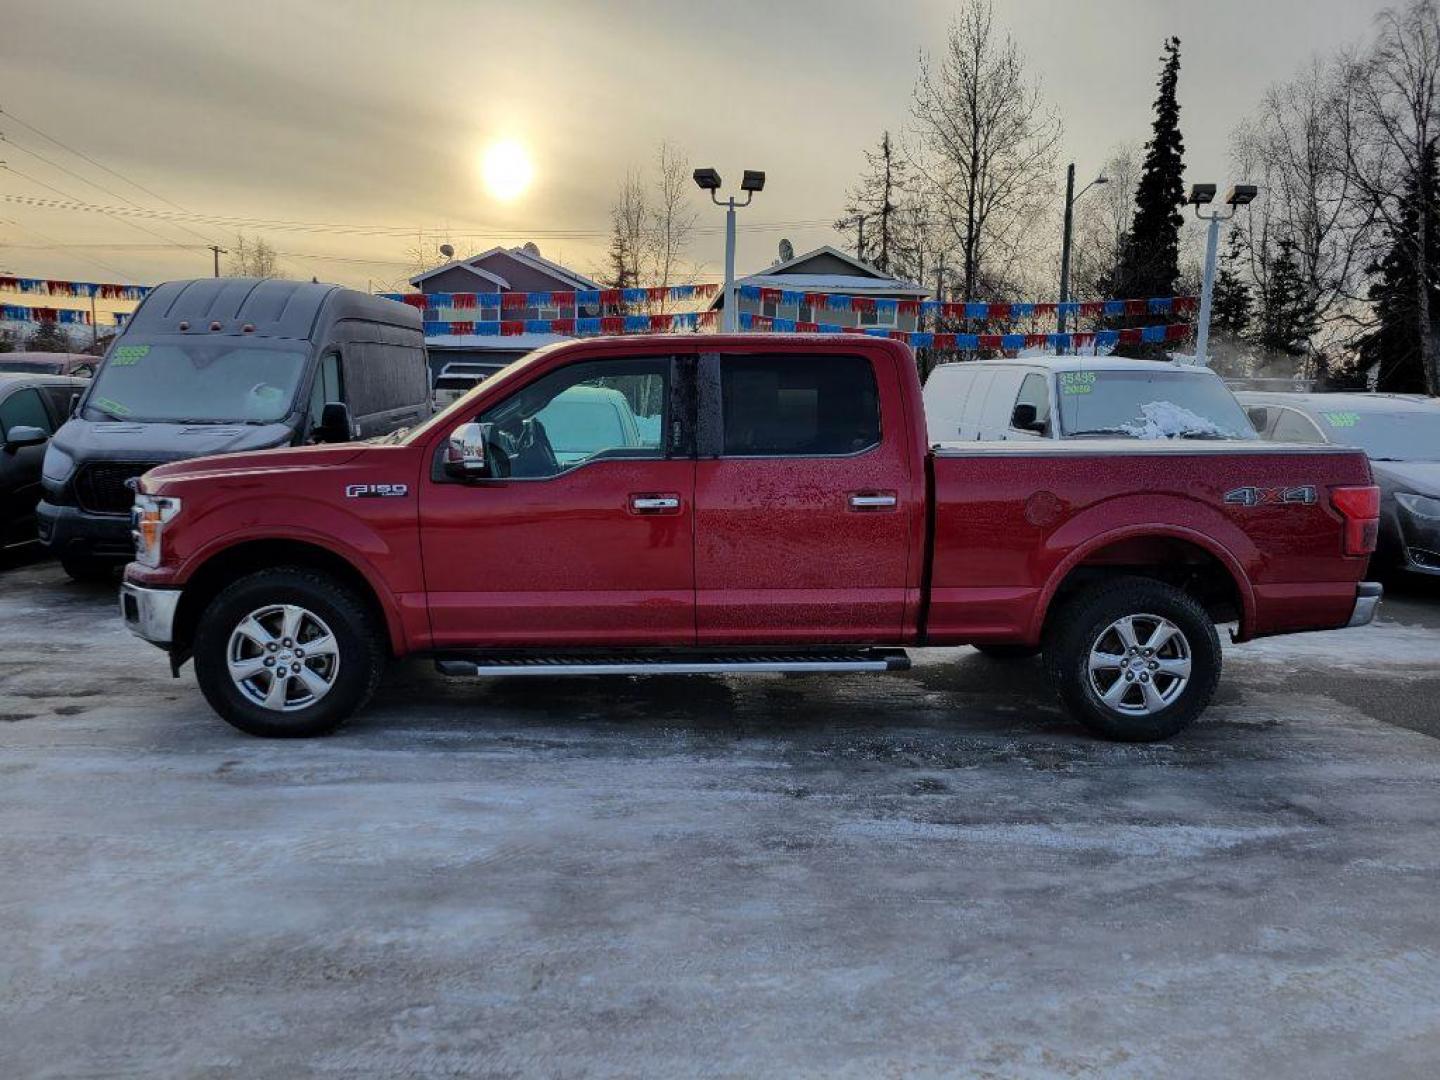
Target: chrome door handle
873	500
654	504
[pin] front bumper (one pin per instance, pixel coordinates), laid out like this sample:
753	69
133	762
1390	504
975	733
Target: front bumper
1367	600
149	613
1419	542
70	531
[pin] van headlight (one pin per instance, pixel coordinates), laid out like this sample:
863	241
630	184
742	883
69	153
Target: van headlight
148	518
1422	506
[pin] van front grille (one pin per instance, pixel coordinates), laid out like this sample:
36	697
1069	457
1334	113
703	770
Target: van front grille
100	486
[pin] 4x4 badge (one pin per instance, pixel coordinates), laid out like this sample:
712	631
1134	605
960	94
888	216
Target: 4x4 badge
1279	496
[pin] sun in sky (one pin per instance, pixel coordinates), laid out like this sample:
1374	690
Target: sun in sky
506	169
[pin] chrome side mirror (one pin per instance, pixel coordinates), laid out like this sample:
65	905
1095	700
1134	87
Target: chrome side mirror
465	451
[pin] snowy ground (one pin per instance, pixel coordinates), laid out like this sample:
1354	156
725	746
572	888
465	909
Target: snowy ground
920	875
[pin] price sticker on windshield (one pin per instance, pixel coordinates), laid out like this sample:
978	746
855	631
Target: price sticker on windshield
1341	419
129	355
1077	382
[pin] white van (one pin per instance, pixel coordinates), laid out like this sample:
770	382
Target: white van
1070	397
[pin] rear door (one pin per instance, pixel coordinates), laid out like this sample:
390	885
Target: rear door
803	499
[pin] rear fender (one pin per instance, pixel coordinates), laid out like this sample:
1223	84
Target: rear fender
1159	516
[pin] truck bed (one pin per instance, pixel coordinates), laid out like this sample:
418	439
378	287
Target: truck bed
1013	521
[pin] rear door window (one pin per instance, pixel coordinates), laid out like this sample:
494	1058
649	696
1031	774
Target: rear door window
798	406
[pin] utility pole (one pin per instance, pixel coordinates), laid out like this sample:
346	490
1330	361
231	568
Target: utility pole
217	251
94	326
1065	244
1070	200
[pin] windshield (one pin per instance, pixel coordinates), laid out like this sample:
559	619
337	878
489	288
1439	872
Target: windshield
1386	436
1149	405
206	382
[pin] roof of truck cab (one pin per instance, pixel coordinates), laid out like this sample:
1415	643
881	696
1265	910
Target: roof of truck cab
274	307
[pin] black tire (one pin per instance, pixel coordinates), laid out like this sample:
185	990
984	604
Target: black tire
360	651
1009	652
1085	622
88	570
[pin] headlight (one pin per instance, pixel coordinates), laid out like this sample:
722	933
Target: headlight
148	519
1422	506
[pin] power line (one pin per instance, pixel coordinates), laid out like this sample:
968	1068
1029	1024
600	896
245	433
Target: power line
125	275
70	203
85	180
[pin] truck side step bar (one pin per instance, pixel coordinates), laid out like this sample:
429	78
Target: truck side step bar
677	662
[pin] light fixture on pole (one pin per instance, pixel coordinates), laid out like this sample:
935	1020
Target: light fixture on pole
1202	195
1071	197
709	180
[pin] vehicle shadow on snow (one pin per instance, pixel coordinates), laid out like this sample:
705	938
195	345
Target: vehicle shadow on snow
967	695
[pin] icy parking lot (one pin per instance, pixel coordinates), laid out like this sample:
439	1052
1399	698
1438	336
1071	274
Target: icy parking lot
923	874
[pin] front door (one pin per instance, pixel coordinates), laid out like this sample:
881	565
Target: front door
20	467
585	537
805	509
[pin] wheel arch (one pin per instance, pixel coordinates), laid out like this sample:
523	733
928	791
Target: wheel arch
1178	556
226	565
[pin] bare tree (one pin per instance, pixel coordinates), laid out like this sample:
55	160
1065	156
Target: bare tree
252	258
629	233
1295	149
671	217
986	147
1389	102
1102	220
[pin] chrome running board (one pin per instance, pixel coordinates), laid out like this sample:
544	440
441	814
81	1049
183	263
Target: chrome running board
674	663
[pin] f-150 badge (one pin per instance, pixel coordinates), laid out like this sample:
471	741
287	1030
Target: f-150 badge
1277	496
376	491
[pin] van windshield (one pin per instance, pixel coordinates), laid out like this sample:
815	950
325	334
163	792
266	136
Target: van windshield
1149	405
207	382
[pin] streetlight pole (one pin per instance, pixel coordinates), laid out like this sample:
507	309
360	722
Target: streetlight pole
709	180
1070	199
1201	195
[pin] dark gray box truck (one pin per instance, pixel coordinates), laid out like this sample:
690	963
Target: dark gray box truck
217	366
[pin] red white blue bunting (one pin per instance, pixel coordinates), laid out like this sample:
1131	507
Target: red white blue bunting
26	314
49	287
561	300
978	310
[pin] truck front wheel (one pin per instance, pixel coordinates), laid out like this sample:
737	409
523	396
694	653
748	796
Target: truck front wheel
287	653
1134	659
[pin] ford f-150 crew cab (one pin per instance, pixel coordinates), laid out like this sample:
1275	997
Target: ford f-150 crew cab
775	505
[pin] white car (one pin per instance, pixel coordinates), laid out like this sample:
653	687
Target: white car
1074	397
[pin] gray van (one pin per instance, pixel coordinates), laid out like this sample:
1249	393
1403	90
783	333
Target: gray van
222	365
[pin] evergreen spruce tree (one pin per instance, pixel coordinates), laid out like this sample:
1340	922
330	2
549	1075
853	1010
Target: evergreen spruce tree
1286	319
49	337
1150	264
1231	304
1393	349
877	198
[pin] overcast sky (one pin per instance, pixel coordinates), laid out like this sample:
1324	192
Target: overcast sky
376	114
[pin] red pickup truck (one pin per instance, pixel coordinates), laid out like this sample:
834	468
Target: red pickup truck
729	504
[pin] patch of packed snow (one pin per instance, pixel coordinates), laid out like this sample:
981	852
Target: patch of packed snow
1166	420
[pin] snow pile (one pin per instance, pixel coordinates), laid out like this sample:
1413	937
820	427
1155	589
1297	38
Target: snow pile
1166	420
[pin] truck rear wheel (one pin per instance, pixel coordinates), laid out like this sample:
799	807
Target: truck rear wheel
1135	660
287	653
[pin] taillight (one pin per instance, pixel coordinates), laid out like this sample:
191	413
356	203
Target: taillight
1360	507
